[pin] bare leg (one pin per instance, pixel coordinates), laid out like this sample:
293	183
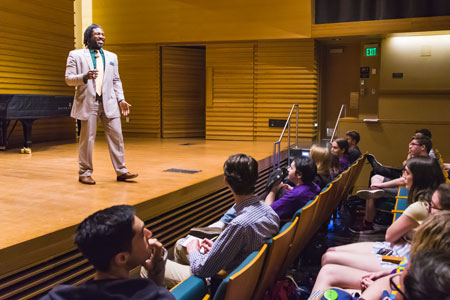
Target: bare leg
370	210
366	262
363	247
338	276
376	179
370	203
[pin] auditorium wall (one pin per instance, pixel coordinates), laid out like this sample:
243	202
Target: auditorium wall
234	26
421	99
175	21
35	39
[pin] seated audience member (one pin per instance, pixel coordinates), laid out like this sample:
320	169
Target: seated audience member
433	235
381	186
418	146
428	276
322	158
115	241
432	153
426	133
255	222
335	168
339	147
352	138
441	198
343	266
301	173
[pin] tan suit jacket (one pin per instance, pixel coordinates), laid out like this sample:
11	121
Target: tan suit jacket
80	62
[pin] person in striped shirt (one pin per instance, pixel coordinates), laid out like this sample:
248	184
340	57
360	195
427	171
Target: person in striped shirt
255	222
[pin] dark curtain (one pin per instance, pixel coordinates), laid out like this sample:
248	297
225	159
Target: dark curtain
335	11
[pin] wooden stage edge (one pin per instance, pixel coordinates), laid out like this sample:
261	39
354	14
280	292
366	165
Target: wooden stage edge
42	201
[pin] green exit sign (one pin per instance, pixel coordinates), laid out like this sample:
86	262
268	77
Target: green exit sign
371	51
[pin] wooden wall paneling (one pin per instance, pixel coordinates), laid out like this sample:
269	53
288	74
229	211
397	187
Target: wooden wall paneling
139	69
285	73
175	21
183	91
230	115
35	39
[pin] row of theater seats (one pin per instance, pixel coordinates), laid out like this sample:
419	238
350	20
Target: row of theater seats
260	270
441	163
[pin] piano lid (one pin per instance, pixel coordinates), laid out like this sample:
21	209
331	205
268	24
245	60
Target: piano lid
29	106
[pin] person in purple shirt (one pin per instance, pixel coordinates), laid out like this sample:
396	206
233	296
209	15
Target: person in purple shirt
339	147
302	172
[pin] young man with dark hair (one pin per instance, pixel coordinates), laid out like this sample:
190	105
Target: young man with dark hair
425	132
255	222
115	241
353	138
302	172
419	145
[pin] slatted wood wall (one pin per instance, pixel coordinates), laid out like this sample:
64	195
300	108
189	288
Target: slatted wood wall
229	103
35	39
285	73
246	85
139	69
251	83
183	91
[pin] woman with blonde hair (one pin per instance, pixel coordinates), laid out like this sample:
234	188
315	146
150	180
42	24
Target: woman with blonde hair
322	158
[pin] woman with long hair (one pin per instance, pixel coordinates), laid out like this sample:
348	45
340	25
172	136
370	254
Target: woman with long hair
322	158
339	147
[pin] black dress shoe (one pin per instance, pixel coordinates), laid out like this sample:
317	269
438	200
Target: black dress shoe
126	176
373	162
86	180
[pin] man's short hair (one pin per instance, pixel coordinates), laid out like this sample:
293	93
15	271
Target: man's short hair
88	33
425	132
354	135
428	276
423	140
241	173
444	195
305	167
106	233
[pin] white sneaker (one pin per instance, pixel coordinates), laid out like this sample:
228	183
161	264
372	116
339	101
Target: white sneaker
370	194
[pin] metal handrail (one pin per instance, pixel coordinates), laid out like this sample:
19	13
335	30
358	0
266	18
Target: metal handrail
277	144
337	122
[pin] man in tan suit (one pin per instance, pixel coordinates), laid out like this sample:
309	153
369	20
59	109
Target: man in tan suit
98	94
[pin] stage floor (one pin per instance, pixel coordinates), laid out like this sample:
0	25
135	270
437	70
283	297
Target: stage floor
40	192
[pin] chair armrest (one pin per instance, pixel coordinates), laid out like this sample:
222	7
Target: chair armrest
191	288
222	274
392	259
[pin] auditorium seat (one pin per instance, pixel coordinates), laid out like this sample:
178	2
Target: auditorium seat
192	288
401	202
278	249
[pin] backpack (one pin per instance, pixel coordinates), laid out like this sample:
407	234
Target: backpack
284	289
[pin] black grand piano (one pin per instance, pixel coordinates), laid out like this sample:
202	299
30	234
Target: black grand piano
27	108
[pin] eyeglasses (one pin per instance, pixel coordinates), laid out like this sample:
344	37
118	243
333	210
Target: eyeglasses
396	288
433	206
